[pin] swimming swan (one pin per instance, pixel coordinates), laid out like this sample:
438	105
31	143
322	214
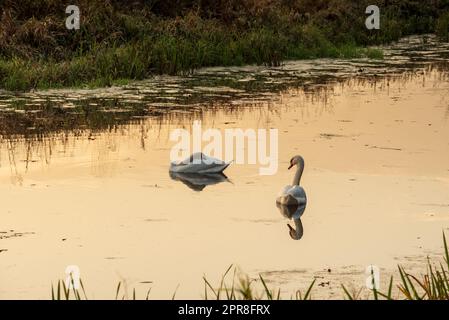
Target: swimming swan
294	195
199	163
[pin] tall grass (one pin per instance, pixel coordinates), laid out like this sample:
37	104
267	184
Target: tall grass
235	285
433	285
63	292
118	42
241	287
166	55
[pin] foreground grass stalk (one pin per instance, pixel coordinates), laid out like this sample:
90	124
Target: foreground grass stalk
433	285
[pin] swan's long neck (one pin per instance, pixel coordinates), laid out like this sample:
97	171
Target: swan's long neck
299	170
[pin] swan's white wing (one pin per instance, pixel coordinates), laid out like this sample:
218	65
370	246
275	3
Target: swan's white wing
211	160
212	165
179	167
199	163
195	158
213	168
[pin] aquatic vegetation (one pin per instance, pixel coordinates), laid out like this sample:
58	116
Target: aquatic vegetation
434	285
62	291
242	287
116	43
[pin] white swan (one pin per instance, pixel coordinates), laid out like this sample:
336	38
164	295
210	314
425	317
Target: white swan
294	195
199	163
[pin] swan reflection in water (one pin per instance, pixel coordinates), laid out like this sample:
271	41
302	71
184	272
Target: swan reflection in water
198	181
292	200
293	212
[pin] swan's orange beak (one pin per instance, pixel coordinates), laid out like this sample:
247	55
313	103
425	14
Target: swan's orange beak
291	165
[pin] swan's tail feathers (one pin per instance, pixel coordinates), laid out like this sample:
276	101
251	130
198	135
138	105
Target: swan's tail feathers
226	165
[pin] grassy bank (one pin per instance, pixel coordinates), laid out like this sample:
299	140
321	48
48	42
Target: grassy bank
234	285
116	43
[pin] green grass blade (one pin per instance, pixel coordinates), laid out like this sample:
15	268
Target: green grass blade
348	295
66	291
210	286
376	297
82	288
174	293
446	250
52	292
309	290
404	288
59	291
267	291
390	289
118	290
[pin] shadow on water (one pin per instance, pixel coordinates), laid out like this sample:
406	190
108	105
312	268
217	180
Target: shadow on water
198	182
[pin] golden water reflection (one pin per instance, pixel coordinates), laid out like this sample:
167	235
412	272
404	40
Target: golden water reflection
100	197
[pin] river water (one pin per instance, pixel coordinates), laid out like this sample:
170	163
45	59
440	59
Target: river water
84	177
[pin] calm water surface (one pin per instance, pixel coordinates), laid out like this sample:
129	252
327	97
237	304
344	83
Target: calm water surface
84	177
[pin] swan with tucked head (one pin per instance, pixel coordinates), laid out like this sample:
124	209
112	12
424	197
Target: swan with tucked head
294	195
